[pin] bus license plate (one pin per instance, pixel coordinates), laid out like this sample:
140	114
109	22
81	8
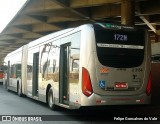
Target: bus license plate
121	85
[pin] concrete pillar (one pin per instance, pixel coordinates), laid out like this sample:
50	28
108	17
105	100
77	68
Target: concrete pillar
127	12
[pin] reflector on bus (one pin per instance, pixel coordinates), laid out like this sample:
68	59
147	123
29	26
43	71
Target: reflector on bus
148	88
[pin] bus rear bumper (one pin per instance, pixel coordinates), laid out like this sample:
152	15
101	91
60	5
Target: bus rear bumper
97	100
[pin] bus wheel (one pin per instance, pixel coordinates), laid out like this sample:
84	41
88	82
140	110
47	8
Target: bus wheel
19	90
51	103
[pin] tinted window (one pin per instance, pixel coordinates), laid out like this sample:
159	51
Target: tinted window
120	48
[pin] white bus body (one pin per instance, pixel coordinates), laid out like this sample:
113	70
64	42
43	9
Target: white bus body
91	65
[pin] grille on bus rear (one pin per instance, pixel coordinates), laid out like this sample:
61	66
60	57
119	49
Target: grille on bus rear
120	61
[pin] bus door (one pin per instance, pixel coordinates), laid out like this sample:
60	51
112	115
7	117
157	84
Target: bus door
35	74
64	74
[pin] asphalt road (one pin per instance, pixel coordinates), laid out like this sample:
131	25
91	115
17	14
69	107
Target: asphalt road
13	106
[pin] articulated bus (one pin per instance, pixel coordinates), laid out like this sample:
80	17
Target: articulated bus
1	73
91	65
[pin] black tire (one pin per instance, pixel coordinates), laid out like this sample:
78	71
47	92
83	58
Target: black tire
19	90
51	102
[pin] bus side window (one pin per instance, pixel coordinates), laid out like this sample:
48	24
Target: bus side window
75	65
12	71
44	60
54	65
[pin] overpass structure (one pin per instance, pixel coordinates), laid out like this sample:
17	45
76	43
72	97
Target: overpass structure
41	17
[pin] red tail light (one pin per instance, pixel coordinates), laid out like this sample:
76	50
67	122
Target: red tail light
86	83
1	75
148	88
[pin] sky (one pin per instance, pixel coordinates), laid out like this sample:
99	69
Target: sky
8	9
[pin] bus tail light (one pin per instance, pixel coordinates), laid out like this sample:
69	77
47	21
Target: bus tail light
1	75
86	83
148	88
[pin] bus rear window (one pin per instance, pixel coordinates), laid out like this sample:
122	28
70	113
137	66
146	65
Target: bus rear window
120	48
